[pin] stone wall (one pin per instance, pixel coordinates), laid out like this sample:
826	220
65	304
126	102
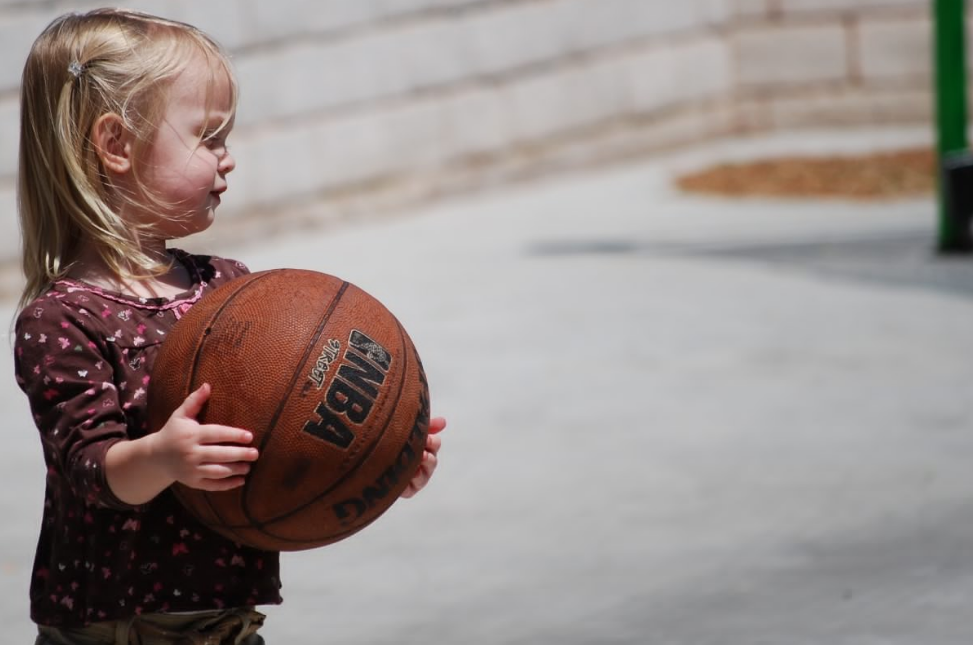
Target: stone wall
352	106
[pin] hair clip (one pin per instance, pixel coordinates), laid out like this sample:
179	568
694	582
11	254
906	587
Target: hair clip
75	69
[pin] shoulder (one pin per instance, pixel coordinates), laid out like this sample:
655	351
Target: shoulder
57	309
60	325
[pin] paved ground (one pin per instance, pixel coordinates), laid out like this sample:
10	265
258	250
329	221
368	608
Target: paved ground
673	420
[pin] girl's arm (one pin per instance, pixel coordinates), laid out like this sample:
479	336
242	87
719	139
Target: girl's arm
182	451
62	367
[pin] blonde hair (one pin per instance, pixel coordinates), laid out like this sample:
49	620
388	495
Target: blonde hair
80	68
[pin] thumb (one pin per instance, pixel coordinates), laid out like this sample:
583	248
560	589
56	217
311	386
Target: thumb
194	402
436	424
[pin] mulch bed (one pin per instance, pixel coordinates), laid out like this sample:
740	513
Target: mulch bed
879	176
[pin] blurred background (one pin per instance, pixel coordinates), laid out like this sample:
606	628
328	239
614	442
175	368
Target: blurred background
675	270
354	106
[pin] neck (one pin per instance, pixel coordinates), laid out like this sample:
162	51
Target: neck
154	248
91	268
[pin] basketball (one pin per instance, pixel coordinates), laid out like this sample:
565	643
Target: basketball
331	387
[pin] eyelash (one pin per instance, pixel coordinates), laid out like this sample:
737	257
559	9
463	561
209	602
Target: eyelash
215	142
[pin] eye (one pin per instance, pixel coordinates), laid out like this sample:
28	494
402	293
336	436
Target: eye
216	143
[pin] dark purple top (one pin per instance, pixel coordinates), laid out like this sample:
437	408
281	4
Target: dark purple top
83	356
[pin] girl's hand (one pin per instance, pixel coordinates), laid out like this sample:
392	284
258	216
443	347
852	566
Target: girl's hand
429	460
196	455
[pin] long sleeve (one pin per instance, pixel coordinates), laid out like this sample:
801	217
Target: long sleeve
61	365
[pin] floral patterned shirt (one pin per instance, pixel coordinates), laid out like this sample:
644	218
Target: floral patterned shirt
83	356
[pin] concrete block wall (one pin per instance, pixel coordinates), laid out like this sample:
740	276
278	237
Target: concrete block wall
833	62
356	105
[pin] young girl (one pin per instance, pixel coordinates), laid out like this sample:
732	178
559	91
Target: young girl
123	147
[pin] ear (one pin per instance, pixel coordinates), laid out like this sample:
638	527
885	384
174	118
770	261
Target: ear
113	143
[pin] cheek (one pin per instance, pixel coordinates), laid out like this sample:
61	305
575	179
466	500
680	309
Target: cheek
191	173
203	165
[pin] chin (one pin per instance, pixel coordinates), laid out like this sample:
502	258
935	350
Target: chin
196	224
206	221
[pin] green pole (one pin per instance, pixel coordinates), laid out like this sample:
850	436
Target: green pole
950	73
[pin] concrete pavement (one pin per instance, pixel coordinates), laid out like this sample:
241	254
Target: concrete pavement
672	420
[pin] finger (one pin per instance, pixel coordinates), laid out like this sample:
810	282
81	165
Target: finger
212	433
410	490
433	443
194	402
417	483
422	476
425	471
223	471
437	424
429	463
227	454
214	485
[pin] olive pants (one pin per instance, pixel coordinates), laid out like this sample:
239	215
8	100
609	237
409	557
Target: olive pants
232	627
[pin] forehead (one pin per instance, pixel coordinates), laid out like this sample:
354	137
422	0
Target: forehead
202	88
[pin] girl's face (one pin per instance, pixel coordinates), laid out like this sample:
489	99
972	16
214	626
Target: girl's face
186	164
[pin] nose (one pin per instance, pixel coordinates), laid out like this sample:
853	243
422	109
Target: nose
227	163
